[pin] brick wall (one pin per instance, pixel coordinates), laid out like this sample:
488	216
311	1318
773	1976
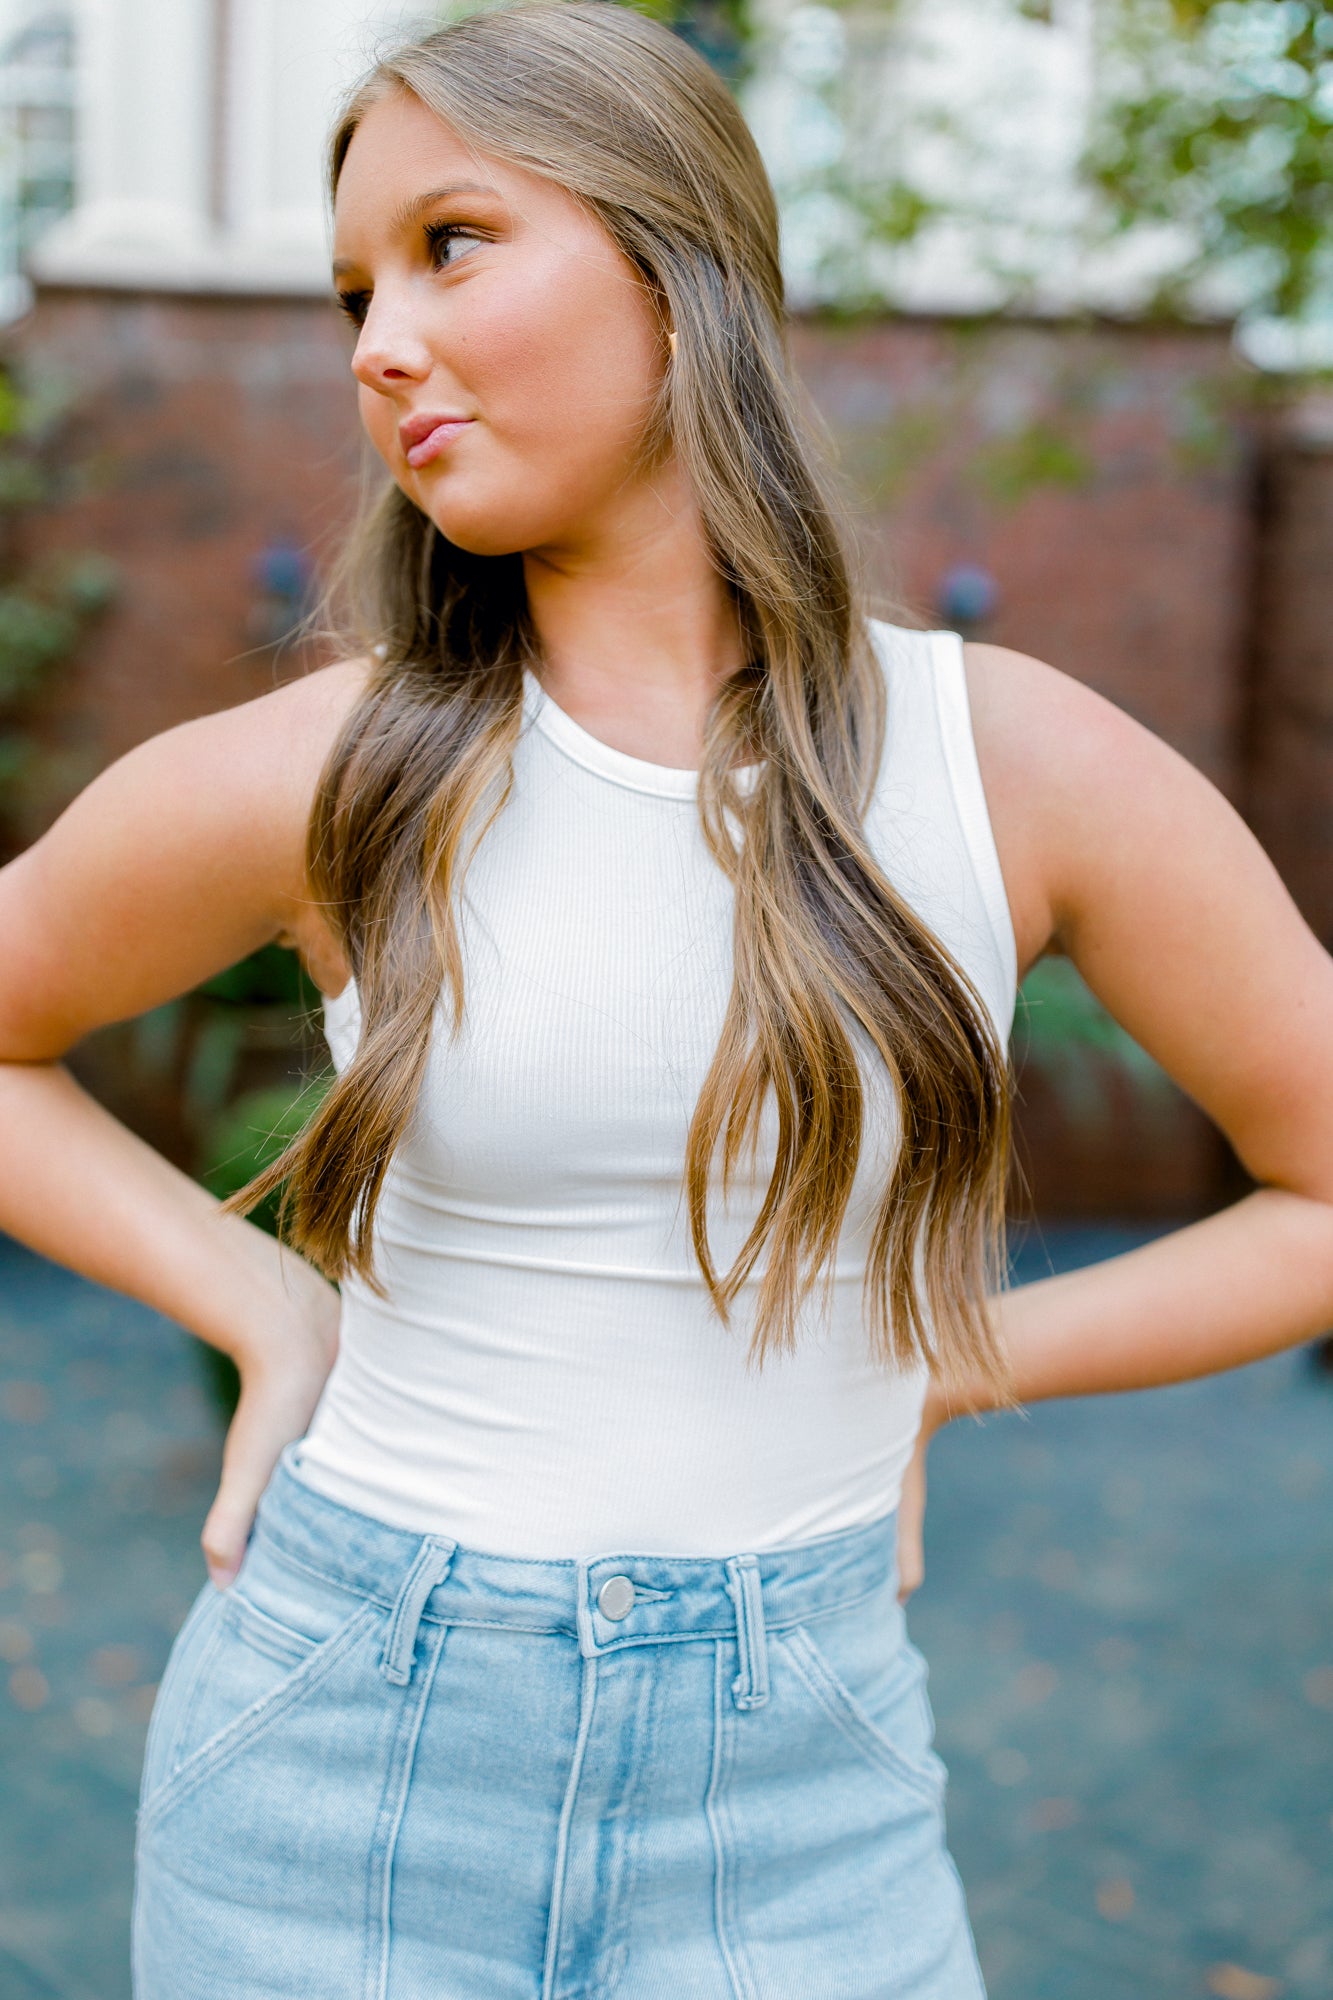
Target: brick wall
1100	474
204	433
1289	793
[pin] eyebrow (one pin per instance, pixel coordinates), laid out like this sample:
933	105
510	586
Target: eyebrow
409	212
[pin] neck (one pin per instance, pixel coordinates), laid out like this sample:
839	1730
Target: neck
637	628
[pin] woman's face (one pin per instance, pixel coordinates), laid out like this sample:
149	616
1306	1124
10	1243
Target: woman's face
486	293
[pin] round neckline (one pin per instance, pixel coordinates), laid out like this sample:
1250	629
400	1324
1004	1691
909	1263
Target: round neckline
666	780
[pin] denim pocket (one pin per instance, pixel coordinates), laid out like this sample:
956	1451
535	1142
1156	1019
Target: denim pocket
245	1656
870	1681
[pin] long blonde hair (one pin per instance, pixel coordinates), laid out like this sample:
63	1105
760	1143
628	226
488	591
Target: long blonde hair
624	116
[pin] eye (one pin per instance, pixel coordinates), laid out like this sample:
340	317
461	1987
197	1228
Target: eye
439	233
354	305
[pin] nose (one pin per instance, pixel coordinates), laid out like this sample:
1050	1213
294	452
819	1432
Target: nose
388	349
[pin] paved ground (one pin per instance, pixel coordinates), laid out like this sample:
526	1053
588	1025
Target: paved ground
1128	1615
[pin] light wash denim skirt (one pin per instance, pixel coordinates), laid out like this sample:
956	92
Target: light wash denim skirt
385	1767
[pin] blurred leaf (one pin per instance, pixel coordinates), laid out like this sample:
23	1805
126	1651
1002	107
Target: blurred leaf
1009	468
158	1037
33	635
247	1135
15	759
89	582
894	212
1217	117
22	484
211	1070
1063	1029
271	974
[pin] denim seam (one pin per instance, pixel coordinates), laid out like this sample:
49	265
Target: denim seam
570	1563
847	1715
389	1820
776	1623
726	1630
332	1576
448	1618
587	1705
267	1635
734	1959
233	1736
822	1610
181	1729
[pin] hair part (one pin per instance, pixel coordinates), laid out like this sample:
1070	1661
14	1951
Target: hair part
831	965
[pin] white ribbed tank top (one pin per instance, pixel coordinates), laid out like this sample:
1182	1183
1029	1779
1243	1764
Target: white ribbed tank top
546	1376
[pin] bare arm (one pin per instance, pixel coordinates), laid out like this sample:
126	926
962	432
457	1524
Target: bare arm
1123	857
1118	854
180	859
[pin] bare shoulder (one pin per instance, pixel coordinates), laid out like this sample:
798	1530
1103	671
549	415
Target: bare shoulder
1126	859
1021	708
1067	774
183	856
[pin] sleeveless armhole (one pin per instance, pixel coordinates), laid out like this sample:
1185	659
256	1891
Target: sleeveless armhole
342	1024
954	712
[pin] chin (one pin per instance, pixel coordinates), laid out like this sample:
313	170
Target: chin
482	531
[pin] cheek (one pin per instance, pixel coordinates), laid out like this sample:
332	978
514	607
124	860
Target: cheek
565	370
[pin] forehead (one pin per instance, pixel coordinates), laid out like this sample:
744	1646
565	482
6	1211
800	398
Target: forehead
397	132
403	161
401	149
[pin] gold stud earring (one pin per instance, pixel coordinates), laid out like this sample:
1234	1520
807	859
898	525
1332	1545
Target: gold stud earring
671	339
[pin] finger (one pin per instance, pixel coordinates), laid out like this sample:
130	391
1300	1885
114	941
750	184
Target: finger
911	1522
911	1574
254	1443
276	1405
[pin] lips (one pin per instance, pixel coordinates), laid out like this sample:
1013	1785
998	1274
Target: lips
424	437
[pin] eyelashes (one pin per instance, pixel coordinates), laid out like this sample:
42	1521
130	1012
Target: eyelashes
437	233
353	305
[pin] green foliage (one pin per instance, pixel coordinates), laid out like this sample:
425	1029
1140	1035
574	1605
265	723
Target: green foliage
42	616
1009	468
721	30
240	1133
34	634
247	1135
45	607
262	1000
1217	116
1063	1029
894	211
261	1004
202	1038
1211	137
239	1141
272	976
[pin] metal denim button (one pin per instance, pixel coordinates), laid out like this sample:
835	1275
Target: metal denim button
615	1599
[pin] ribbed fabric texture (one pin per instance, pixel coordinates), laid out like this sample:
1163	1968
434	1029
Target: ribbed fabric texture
546	1376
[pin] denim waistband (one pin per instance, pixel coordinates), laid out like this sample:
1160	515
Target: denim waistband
608	1603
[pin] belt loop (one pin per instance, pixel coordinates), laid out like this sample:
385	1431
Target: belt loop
431	1567
750	1687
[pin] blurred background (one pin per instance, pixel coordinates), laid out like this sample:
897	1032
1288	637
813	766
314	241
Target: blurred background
1062	278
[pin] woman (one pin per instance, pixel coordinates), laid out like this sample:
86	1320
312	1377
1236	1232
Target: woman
669	913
